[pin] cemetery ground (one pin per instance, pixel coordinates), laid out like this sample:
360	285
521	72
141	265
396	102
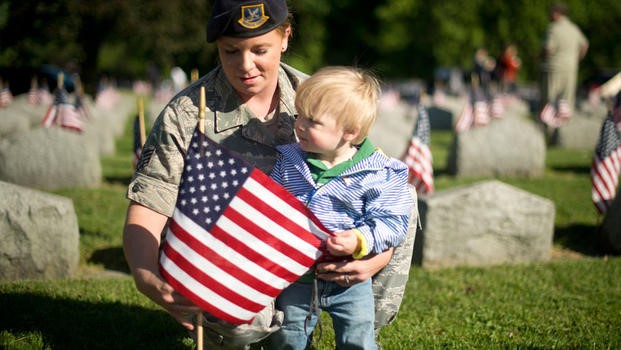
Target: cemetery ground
571	302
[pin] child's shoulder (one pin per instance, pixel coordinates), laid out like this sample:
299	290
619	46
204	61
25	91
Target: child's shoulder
380	158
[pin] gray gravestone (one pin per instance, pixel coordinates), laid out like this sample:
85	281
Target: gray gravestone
511	146
39	234
49	158
484	224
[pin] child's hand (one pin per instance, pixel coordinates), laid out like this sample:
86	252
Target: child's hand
343	243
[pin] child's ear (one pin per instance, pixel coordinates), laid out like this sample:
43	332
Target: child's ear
351	134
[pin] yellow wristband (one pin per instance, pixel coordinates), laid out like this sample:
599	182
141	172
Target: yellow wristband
364	245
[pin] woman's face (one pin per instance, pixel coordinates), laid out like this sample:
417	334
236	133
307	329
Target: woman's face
251	64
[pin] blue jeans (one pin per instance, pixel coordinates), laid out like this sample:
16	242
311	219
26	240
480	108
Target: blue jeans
351	308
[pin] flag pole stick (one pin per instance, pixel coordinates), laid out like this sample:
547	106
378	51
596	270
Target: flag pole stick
201	128
60	82
143	136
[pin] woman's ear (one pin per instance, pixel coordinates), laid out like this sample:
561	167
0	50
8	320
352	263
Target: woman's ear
285	39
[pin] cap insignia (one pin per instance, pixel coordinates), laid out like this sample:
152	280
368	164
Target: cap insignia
252	16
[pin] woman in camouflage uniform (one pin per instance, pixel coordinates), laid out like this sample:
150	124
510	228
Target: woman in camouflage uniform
250	110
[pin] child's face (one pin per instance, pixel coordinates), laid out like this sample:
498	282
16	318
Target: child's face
320	135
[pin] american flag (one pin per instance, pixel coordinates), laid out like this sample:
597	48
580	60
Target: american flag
555	116
606	165
497	109
62	112
481	112
466	118
418	155
236	237
6	97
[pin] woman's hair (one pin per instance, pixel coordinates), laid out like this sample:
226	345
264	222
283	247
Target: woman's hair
349	94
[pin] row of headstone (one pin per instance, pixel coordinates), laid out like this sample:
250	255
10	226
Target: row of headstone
52	158
40	232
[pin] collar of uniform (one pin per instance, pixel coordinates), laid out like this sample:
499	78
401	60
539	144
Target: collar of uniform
226	108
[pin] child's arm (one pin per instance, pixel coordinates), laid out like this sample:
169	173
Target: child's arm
387	212
347	242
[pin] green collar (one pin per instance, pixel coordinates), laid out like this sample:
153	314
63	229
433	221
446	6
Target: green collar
322	174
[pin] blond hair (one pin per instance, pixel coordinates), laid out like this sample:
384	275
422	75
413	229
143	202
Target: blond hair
348	94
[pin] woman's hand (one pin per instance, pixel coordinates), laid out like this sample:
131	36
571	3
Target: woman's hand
346	273
141	240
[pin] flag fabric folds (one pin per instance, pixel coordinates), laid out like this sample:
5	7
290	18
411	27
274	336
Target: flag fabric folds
465	119
555	115
6	97
236	237
61	112
418	155
606	165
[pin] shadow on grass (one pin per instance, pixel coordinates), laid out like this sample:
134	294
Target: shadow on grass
73	324
110	258
583	239
118	180
572	169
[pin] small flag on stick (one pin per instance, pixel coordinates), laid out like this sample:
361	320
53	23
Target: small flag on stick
606	163
418	155
236	237
6	97
61	112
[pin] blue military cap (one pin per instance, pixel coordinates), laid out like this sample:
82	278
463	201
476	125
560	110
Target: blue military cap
245	19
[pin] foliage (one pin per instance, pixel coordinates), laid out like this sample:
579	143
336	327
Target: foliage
397	38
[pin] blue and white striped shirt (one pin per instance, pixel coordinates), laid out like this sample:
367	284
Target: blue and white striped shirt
371	196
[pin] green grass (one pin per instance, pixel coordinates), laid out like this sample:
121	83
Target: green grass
571	302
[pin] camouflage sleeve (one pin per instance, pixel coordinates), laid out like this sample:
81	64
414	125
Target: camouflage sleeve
155	182
389	284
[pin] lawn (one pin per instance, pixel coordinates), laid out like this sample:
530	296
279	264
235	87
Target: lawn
570	302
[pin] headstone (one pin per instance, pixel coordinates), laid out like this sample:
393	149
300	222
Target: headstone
393	129
511	146
443	116
611	227
49	158
484	224
12	122
40	235
582	131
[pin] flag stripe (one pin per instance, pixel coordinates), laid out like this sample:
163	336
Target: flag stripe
271	230
418	157
214	302
208	239
305	241
606	166
255	250
218	280
295	209
226	264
